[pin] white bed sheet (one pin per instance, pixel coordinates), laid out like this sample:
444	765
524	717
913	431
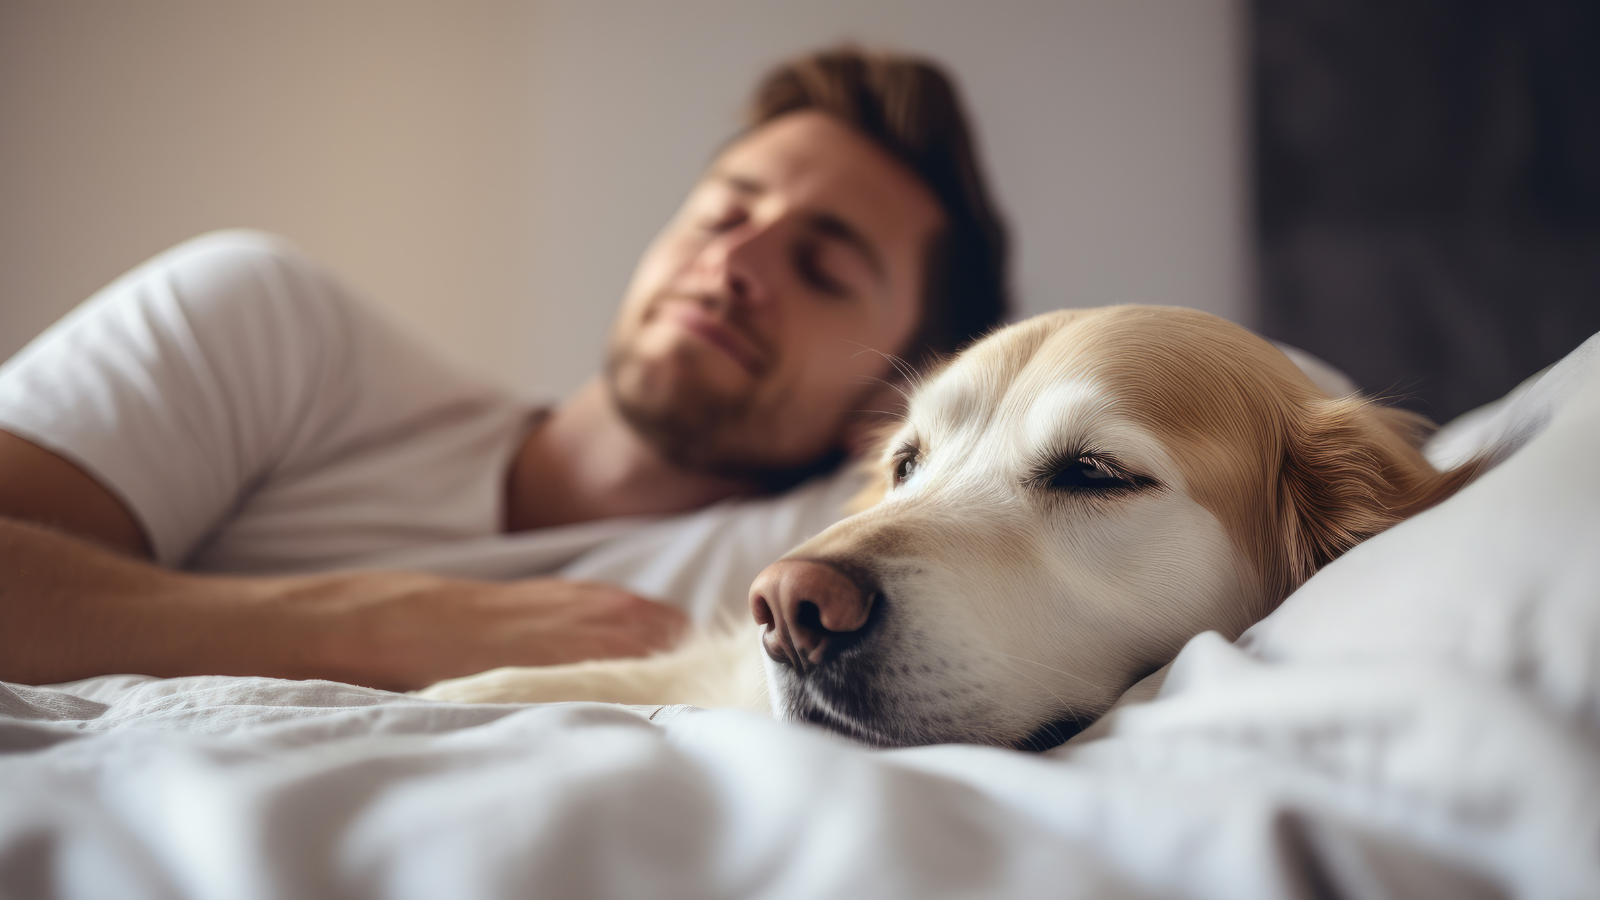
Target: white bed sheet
1421	720
1250	782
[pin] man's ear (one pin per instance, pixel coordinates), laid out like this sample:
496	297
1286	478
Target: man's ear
1350	470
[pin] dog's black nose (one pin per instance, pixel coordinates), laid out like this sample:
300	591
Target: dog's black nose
808	607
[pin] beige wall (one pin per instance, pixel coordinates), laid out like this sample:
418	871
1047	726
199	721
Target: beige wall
492	169
391	138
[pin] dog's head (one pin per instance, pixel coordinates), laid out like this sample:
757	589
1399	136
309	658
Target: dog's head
1064	506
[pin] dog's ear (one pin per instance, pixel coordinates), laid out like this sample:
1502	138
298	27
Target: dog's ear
1351	469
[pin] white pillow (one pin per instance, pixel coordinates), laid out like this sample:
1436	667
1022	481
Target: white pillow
1499	428
1502	579
1329	380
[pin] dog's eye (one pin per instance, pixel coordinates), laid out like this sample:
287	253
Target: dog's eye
1090	474
904	466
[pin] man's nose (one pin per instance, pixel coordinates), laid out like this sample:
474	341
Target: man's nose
734	265
810	610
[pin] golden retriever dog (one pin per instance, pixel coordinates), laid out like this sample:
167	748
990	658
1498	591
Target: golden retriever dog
1062	508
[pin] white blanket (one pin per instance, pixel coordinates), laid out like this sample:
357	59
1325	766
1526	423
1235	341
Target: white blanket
1422	719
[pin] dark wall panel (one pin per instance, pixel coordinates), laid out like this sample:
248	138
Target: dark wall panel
1428	188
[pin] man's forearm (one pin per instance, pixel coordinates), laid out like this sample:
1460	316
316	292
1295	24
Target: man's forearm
69	610
72	610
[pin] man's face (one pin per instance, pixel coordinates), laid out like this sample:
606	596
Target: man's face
759	319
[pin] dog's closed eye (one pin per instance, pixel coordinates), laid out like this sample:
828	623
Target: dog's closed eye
1090	473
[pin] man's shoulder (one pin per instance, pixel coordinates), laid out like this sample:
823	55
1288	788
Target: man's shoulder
232	380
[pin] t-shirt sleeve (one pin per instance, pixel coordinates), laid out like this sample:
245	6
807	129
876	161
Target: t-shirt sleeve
188	379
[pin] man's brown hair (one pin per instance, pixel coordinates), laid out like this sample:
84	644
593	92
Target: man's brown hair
910	107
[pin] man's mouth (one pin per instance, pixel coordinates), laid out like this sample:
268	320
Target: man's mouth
694	318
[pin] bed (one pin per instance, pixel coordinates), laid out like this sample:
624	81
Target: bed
1421	719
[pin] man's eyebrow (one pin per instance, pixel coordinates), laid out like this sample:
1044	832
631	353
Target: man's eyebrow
741	183
832	226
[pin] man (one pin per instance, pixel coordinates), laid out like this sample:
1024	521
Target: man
228	409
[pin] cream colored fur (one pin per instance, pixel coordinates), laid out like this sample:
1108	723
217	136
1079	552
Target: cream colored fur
710	669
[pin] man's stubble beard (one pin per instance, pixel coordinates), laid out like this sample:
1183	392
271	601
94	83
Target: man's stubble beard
698	429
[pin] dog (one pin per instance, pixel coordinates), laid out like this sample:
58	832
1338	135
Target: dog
1064	505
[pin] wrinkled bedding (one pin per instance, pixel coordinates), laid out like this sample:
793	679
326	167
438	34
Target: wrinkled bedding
1421	719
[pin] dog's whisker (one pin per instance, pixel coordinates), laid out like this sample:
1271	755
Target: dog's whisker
1042	665
908	373
897	387
1006	657
1047	689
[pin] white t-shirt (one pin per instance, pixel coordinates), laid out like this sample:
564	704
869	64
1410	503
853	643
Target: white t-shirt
256	417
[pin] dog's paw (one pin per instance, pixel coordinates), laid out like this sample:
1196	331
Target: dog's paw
512	684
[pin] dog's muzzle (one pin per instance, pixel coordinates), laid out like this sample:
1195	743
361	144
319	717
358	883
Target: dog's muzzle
846	659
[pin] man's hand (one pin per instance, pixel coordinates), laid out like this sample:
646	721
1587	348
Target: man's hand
71	610
404	630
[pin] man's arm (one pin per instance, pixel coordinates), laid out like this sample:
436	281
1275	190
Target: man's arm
39	486
77	600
